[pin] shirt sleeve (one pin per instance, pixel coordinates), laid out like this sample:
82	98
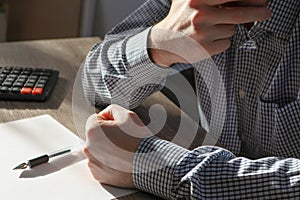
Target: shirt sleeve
119	70
171	172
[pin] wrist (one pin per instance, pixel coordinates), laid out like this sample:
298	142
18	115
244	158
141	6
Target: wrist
159	53
154	166
161	57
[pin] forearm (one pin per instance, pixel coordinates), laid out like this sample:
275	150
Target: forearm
121	65
116	71
212	172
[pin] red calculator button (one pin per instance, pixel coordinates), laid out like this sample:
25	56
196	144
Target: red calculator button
26	90
37	91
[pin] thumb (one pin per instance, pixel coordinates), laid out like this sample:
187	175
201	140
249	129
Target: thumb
113	113
106	114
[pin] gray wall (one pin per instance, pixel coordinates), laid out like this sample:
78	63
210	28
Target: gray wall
110	12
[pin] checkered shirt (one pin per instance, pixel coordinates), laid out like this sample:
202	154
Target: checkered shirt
261	134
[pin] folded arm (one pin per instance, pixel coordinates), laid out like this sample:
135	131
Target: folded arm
212	173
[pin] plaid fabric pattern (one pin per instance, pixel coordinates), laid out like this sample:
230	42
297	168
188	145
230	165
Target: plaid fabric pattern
213	173
261	73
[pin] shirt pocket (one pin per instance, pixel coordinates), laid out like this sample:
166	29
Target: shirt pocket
287	129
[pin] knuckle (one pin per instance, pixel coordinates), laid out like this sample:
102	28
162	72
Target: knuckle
96	176
91	122
195	19
85	151
114	107
91	132
131	113
200	16
192	3
90	164
111	107
203	16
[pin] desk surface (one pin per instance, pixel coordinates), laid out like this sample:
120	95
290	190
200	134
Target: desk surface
66	55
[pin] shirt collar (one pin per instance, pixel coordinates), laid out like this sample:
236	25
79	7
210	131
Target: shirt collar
284	16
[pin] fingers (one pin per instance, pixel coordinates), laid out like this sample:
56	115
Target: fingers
233	15
196	3
114	112
241	15
107	175
215	32
119	115
230	11
116	119
87	153
248	3
91	123
215	37
90	156
111	112
97	169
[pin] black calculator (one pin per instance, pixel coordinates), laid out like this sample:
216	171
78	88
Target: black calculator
26	83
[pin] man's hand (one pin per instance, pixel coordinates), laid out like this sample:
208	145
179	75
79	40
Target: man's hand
113	137
211	23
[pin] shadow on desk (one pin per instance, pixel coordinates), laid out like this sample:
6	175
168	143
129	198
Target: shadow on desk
53	166
53	102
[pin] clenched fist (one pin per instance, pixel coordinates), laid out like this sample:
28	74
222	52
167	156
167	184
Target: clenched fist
113	137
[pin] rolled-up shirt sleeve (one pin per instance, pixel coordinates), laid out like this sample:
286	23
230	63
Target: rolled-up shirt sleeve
207	172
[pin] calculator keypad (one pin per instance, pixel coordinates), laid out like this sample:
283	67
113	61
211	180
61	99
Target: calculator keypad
20	83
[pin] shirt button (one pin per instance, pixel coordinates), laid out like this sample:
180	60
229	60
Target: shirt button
242	93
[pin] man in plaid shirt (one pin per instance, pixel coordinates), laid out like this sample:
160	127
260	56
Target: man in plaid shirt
255	45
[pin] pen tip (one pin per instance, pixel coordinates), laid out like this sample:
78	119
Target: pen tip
21	166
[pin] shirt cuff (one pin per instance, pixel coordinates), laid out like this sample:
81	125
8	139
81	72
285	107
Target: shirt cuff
154	165
139	62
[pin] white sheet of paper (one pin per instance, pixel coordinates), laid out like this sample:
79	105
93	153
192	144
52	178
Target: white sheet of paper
65	177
